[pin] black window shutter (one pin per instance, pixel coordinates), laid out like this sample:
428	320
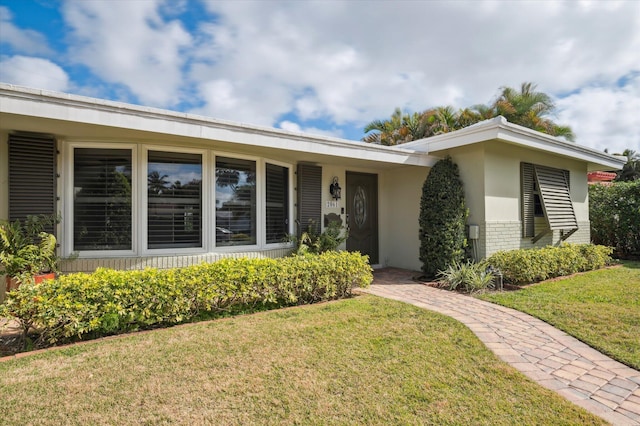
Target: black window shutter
32	176
528	200
277	203
309	196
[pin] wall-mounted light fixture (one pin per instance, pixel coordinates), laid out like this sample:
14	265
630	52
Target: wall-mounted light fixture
335	189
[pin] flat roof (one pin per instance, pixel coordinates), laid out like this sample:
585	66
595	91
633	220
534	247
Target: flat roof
499	128
18	101
56	108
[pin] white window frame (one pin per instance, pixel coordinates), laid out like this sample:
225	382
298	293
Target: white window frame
144	201
263	189
68	219
260	228
139	202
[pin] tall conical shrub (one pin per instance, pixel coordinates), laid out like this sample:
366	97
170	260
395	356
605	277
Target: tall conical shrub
443	215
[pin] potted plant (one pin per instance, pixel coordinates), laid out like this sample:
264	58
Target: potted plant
27	253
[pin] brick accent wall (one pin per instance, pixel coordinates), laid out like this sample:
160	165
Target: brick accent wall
496	236
162	262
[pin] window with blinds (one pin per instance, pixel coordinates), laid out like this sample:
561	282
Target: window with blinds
102	199
277	203
174	200
235	202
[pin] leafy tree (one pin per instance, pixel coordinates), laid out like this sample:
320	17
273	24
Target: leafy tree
442	220
630	171
526	107
614	212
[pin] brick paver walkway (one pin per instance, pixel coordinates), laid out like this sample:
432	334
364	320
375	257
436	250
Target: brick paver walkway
545	354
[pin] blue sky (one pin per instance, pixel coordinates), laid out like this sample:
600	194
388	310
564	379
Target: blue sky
329	67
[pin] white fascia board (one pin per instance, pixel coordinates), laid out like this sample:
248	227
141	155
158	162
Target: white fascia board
530	138
499	128
80	109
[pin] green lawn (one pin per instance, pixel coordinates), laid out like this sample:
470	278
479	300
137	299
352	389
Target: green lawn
365	360
601	308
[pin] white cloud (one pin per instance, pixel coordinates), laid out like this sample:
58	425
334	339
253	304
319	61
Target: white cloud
33	72
351	62
130	43
26	41
295	127
345	63
605	116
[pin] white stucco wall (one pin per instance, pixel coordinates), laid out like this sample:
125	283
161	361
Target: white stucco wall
329	205
491	175
470	161
400	193
502	180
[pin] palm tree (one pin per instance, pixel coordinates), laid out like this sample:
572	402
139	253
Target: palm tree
526	107
445	119
631	170
472	115
484	112
530	108
157	183
400	128
417	126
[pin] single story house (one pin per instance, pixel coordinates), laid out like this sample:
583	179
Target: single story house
138	186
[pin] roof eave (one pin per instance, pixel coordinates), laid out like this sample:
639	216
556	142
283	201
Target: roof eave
81	109
499	128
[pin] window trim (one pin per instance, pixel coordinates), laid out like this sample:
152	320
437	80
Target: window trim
290	198
69	217
139	206
260	228
144	201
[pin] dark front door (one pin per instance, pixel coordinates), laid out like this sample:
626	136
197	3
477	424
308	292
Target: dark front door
362	214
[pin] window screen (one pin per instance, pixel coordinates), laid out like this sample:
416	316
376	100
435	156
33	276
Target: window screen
102	199
174	191
235	202
277	208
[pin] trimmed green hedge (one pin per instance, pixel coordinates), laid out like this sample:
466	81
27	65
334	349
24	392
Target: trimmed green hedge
110	302
532	265
443	215
614	212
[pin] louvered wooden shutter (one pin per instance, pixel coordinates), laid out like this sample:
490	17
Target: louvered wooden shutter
309	196
32	176
528	200
555	197
277	203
